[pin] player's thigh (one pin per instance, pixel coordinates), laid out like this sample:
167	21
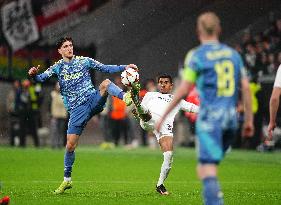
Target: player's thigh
78	119
97	103
209	141
103	87
166	143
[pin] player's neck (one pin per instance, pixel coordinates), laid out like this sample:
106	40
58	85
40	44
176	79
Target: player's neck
66	59
209	39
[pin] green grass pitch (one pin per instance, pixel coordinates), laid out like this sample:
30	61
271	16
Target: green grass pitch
120	176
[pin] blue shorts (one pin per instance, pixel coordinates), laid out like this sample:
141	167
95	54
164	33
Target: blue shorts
80	115
215	131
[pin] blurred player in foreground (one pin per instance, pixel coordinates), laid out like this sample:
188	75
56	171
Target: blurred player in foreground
274	103
80	97
218	71
150	110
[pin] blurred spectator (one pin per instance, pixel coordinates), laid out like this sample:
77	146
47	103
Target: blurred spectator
105	128
118	117
251	57
246	38
27	113
279	59
271	67
134	128
59	118
12	106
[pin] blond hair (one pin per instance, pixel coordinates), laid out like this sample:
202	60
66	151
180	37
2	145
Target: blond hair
208	23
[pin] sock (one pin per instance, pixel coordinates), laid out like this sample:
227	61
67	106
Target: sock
114	90
166	167
211	191
67	179
69	158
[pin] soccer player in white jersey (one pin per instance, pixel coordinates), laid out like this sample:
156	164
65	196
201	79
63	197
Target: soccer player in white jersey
274	102
150	110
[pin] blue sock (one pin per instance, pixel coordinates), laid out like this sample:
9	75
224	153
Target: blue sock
211	191
69	158
114	90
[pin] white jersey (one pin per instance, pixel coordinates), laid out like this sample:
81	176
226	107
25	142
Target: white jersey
277	82
156	103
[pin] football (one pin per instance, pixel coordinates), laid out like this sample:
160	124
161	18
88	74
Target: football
129	76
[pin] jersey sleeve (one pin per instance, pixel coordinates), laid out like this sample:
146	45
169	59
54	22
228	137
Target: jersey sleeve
277	82
94	64
46	74
190	67
188	107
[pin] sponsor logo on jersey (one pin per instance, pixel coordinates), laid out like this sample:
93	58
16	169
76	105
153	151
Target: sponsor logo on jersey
165	99
72	76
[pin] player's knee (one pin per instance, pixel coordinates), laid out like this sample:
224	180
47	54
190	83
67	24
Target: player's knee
199	172
166	146
105	83
206	170
70	146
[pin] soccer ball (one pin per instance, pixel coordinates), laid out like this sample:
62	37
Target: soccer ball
129	76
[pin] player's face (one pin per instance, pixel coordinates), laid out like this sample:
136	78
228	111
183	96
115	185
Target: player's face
165	85
66	50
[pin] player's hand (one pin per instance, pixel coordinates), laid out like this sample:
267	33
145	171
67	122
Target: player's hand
248	129
33	71
132	66
270	129
158	125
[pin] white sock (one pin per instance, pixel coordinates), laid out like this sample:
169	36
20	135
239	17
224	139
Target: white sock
67	179
166	167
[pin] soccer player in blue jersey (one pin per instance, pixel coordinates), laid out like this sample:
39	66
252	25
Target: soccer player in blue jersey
218	72
80	97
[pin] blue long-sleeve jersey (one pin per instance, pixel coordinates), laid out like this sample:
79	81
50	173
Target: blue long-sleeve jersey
74	78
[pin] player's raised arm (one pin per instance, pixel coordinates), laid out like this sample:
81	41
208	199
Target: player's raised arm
189	107
109	68
33	72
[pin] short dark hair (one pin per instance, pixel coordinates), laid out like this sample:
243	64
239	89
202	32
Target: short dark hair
62	40
165	76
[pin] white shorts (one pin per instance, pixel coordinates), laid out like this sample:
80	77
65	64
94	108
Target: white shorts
166	129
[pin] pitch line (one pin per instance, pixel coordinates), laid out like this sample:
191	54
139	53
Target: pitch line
143	182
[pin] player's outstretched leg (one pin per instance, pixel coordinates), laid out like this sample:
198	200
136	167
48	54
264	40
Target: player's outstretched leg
109	87
141	113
